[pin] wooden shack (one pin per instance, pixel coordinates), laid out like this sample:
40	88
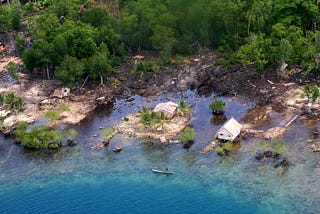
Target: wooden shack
229	131
169	108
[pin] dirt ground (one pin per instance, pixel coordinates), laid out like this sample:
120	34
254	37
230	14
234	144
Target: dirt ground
200	73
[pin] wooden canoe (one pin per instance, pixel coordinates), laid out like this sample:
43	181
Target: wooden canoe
162	171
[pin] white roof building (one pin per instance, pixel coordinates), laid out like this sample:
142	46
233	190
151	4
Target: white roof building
230	130
169	108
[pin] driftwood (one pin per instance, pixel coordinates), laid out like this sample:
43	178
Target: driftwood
209	148
272	83
291	121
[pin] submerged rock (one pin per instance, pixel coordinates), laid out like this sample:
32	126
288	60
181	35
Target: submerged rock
72	142
259	156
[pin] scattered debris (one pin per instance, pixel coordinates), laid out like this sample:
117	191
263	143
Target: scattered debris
209	148
61	92
270	82
291	121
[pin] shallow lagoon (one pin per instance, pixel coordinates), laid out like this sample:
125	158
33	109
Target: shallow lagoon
81	180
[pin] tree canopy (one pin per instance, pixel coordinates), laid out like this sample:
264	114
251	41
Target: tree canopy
79	39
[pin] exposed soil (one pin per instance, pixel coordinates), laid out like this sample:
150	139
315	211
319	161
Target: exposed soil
265	92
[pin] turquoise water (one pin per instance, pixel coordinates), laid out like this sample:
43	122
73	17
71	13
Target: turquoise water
83	180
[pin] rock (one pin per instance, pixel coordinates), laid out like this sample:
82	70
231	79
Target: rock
284	162
187	144
259	156
209	148
274	132
72	142
163	139
268	154
106	142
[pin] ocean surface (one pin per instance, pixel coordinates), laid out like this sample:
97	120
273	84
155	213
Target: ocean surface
83	180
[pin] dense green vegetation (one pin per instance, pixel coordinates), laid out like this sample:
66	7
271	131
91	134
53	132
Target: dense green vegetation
39	137
187	137
12	102
151	119
218	106
77	40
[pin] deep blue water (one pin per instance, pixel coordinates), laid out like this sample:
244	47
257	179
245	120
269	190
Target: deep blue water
83	180
112	194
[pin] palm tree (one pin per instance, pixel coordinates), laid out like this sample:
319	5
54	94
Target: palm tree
145	116
183	108
161	120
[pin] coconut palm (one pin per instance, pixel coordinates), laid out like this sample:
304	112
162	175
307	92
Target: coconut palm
183	108
145	116
160	120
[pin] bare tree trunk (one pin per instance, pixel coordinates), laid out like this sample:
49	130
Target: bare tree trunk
48	74
84	81
101	80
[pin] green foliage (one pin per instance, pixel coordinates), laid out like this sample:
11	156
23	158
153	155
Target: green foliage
13	103
10	16
278	146
218	106
148	66
145	116
188	134
312	92
224	149
152	119
70	134
262	33
12	70
71	71
107	134
73	49
20	44
255	52
64	107
40	137
183	108
2	99
52	115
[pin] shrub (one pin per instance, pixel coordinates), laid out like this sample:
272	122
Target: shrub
224	148
70	134
64	107
52	115
312	92
218	106
188	134
13	102
40	137
277	146
147	66
12	70
107	134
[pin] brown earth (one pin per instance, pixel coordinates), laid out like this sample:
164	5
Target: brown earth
201	73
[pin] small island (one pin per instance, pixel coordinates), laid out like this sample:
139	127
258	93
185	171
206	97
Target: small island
164	122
